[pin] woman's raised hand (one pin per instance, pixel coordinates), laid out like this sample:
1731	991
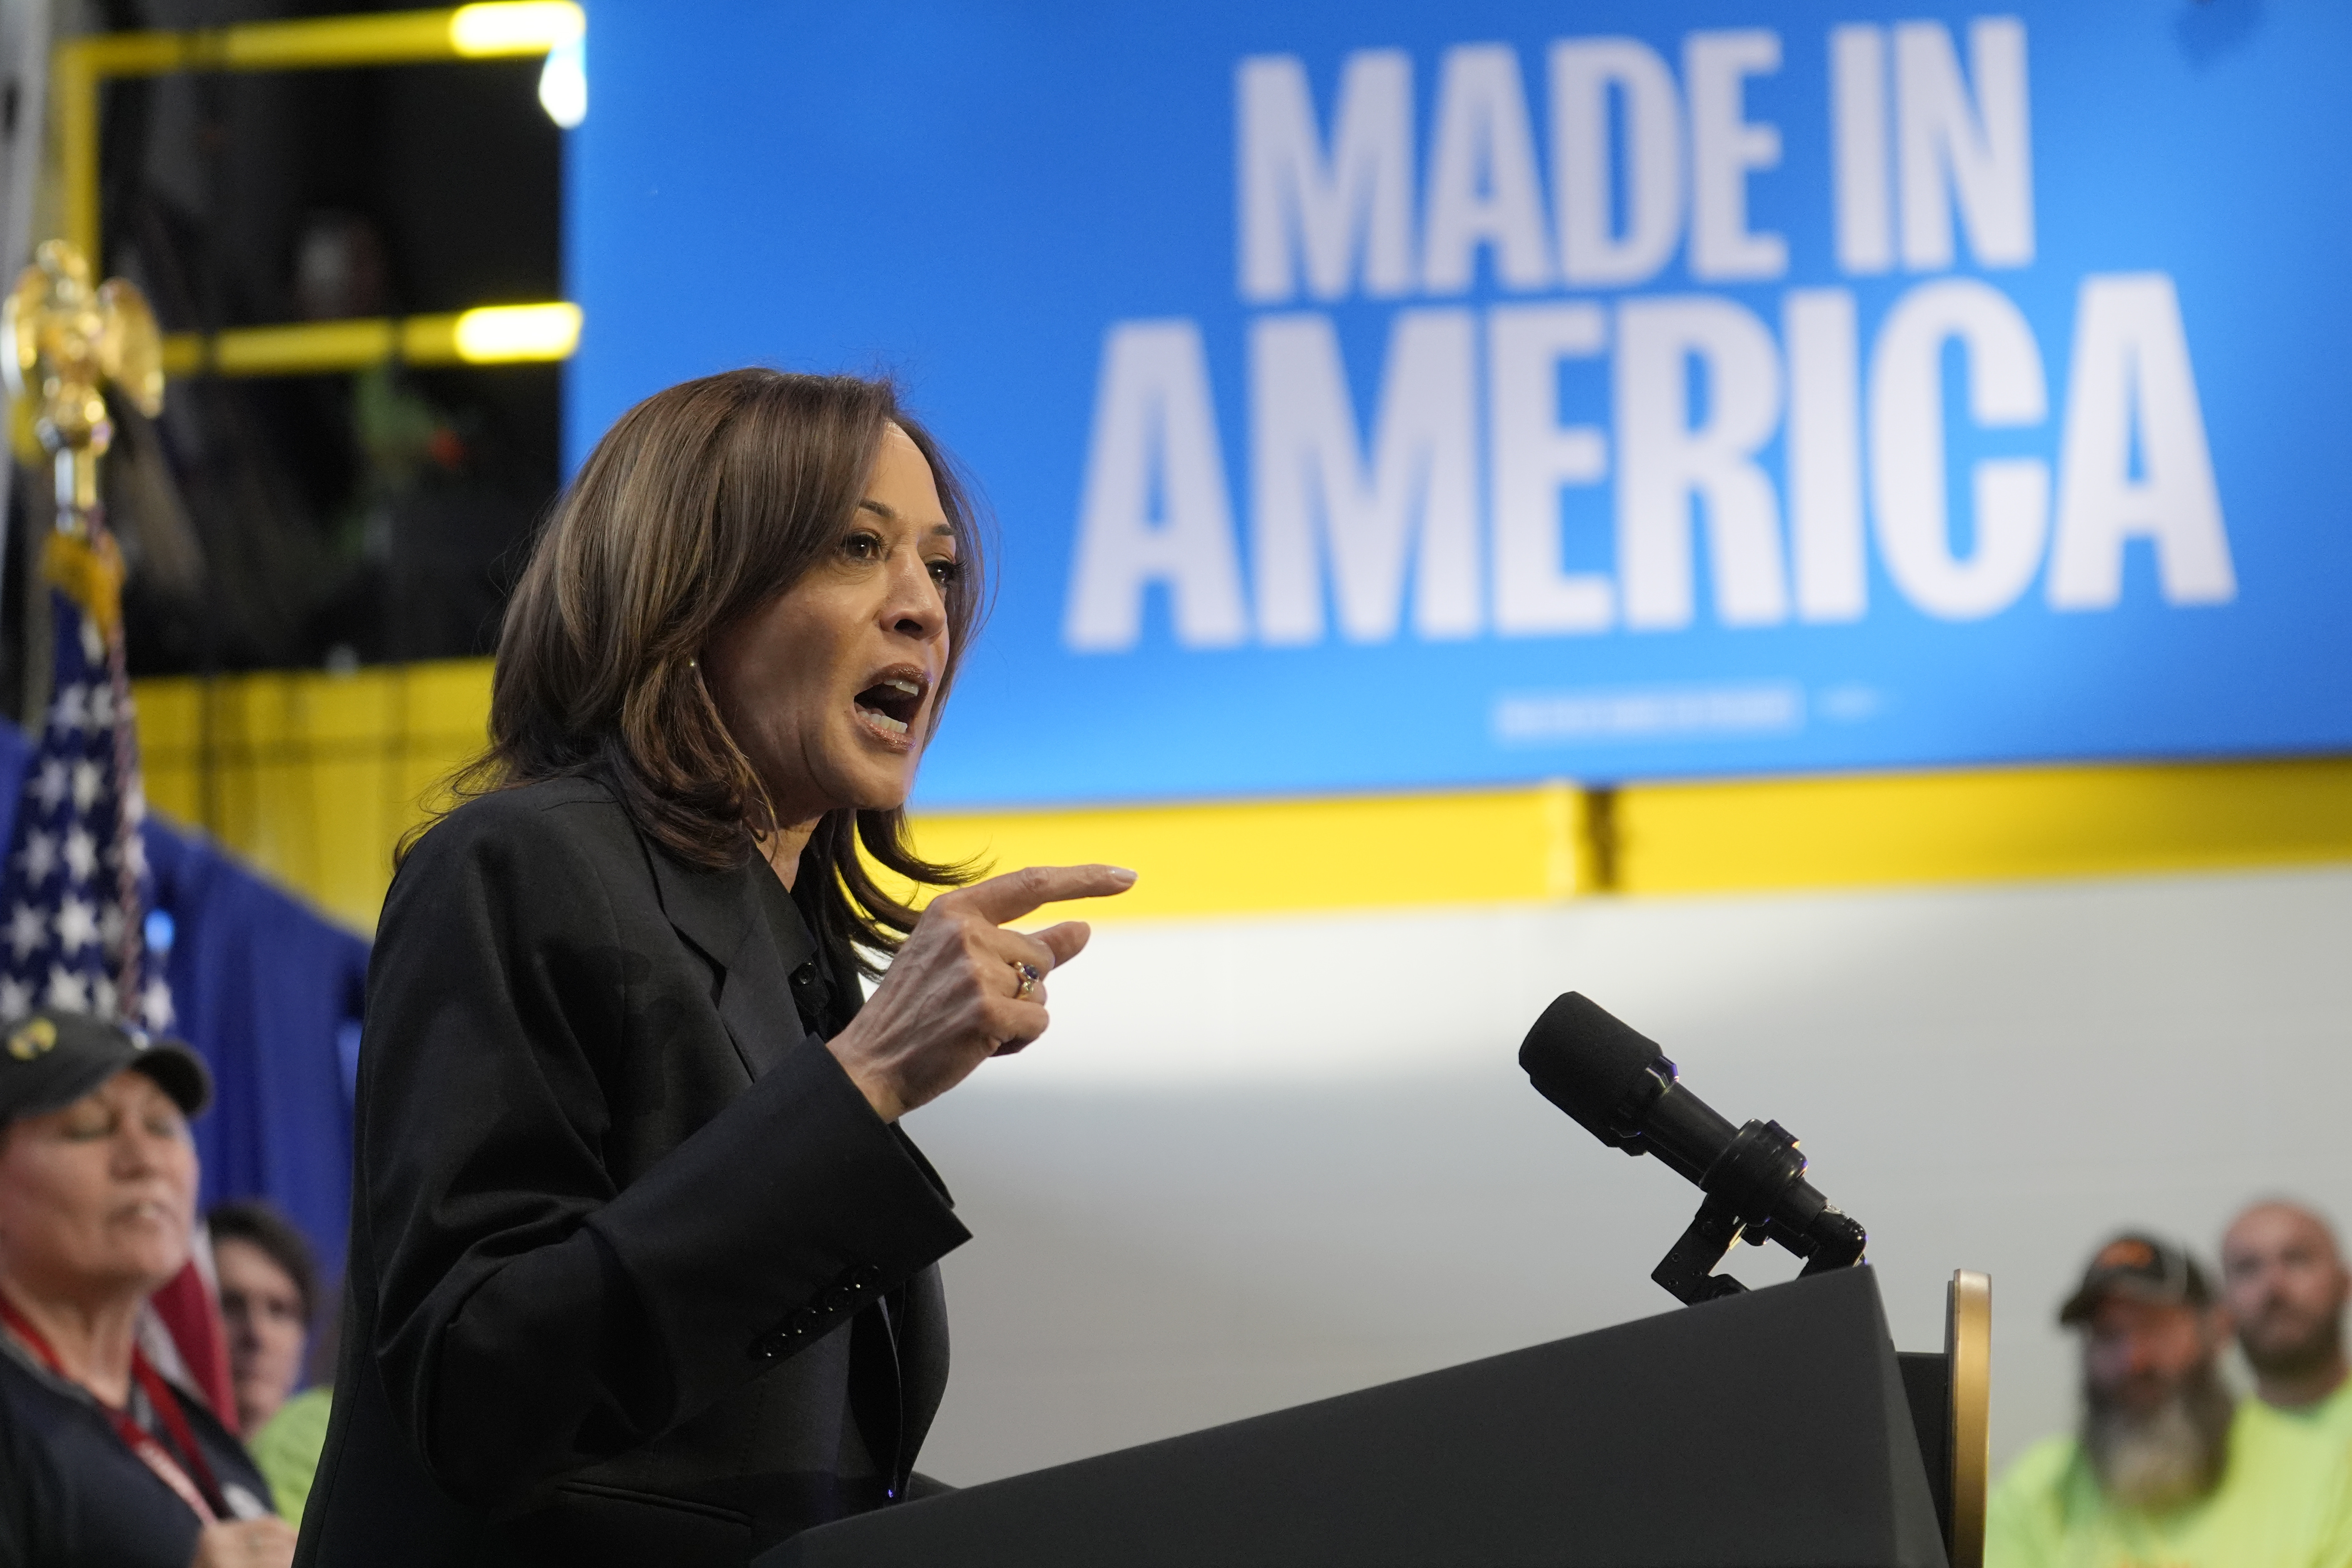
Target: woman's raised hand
956	994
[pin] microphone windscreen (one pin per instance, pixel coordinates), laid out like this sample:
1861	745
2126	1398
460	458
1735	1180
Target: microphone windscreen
1585	1061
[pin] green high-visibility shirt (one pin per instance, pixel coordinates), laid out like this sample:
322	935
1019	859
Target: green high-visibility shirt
2331	1413
2284	1501
285	1450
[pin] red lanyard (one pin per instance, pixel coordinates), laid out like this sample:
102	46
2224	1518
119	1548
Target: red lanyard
202	1494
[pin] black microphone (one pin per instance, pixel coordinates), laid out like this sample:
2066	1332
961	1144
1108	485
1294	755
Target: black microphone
1619	1086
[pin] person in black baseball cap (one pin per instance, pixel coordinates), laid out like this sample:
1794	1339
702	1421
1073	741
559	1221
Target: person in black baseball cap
2139	1268
101	1459
51	1060
2156	1421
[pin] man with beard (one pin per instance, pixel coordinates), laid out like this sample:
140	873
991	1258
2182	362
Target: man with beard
2167	1471
2285	1285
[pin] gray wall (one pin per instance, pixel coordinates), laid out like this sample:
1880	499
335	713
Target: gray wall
1260	1161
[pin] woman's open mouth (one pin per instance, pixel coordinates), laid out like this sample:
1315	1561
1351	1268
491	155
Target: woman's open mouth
889	707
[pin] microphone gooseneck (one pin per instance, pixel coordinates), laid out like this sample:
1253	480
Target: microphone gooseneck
1619	1086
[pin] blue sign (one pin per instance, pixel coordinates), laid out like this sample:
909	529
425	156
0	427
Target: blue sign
1386	396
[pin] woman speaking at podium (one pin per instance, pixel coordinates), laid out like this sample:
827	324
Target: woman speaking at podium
643	1269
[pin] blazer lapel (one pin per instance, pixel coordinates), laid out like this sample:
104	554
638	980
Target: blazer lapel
720	913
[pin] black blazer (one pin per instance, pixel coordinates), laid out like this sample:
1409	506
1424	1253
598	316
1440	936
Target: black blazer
636	1275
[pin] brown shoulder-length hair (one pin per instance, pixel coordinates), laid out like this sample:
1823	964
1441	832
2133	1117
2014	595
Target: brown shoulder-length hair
699	506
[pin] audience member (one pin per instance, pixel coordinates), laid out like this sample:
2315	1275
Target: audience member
2285	1285
2166	1467
102	1460
268	1292
270	1297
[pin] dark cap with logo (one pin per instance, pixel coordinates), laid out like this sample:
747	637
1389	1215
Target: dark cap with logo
2141	1268
53	1059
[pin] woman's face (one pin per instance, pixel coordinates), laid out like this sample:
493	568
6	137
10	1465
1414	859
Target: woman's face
830	689
98	1199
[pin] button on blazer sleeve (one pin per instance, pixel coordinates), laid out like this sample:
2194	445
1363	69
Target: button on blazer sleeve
538	1310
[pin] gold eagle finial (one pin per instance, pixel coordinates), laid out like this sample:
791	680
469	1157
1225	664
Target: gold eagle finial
62	343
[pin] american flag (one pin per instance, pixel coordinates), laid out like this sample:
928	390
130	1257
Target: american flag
77	886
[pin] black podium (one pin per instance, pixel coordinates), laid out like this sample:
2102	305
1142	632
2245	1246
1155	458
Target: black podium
1769	1429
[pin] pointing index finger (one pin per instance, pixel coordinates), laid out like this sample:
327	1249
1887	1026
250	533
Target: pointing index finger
1015	893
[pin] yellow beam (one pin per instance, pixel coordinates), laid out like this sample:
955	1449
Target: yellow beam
312	777
519	27
73	108
505	30
493	335
1537	842
1518	845
1994	825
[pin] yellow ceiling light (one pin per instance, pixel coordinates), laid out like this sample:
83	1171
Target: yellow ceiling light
515	27
500	334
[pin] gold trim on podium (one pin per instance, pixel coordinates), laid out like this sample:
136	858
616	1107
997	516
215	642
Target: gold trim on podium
1967	1353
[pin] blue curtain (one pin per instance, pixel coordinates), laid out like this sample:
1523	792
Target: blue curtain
269	994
